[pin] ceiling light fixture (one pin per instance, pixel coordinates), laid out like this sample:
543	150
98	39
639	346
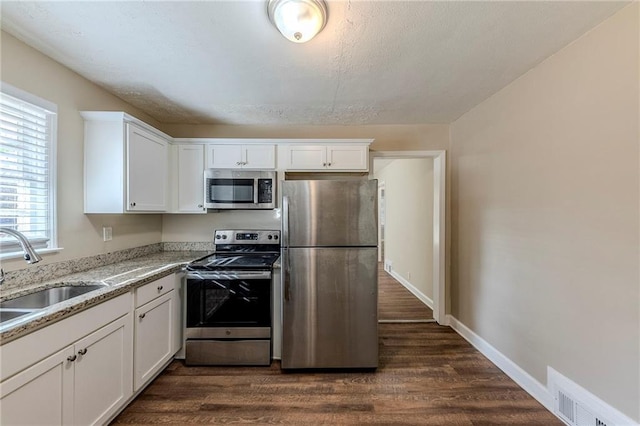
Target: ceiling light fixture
298	20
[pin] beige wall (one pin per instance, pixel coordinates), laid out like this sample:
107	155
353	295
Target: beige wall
80	235
545	216
409	220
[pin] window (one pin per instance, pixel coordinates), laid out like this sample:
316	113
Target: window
27	169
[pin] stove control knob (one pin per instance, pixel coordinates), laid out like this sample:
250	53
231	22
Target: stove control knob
217	237
224	237
270	237
275	237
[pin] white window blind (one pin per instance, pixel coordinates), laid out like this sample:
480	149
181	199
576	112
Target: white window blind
27	134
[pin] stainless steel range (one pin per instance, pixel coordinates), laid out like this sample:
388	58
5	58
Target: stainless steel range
228	300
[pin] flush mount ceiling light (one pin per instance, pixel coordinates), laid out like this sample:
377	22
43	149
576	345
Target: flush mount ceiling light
298	20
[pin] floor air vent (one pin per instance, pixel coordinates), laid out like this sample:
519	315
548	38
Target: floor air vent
576	406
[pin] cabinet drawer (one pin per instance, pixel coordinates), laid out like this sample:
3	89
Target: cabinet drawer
154	289
228	352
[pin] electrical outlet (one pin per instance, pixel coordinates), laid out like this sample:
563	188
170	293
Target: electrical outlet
107	233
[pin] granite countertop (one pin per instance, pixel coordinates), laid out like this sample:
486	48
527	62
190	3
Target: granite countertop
119	278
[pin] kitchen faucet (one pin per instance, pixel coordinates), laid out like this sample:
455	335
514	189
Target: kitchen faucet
30	254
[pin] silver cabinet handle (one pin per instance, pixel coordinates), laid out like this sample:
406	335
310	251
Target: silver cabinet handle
160	288
72	358
82	351
142	316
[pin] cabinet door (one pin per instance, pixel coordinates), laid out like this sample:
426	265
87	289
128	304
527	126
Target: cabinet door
348	157
190	176
41	394
260	157
306	158
147	166
224	156
154	338
103	372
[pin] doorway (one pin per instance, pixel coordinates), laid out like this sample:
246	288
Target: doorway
436	190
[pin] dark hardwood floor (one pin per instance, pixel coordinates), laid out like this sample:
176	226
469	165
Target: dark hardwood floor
395	302
428	375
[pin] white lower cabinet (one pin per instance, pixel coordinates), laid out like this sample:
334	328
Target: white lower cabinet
153	337
102	373
49	384
84	383
84	369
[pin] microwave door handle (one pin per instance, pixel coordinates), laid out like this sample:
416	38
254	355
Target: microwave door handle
255	191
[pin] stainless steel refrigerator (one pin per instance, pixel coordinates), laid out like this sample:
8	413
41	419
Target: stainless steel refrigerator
329	274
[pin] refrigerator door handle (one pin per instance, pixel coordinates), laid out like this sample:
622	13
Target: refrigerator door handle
286	275
285	222
285	247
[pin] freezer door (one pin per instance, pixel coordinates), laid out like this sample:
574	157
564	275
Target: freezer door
323	213
330	308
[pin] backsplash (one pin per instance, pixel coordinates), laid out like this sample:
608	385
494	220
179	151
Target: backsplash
35	274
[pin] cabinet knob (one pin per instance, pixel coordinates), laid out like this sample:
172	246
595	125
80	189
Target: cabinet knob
329	164
132	204
238	163
82	351
142	316
72	358
200	206
324	164
160	288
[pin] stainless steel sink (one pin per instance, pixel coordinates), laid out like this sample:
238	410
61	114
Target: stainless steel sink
8	315
47	297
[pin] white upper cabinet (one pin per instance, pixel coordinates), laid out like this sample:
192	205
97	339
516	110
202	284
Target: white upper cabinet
241	156
326	157
187	179
147	170
126	165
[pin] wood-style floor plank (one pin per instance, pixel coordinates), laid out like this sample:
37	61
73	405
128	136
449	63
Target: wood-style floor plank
428	375
395	302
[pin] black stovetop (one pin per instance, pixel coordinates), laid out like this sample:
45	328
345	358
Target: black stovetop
234	260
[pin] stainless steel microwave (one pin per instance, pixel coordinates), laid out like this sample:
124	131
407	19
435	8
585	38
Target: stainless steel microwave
239	189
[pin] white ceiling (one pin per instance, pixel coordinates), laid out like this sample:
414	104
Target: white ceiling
376	62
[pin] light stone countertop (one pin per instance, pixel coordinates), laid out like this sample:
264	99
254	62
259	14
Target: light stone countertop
119	278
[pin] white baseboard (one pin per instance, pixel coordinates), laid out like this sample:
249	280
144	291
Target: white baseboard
417	293
544	394
510	368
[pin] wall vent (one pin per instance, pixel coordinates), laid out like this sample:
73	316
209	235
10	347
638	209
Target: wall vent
574	412
576	406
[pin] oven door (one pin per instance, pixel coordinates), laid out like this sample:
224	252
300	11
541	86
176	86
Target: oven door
228	299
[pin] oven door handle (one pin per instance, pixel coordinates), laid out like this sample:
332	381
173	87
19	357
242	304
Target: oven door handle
229	275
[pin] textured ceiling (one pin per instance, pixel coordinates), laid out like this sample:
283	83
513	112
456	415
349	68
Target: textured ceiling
376	62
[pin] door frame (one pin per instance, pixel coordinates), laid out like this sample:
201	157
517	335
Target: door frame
439	220
381	219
